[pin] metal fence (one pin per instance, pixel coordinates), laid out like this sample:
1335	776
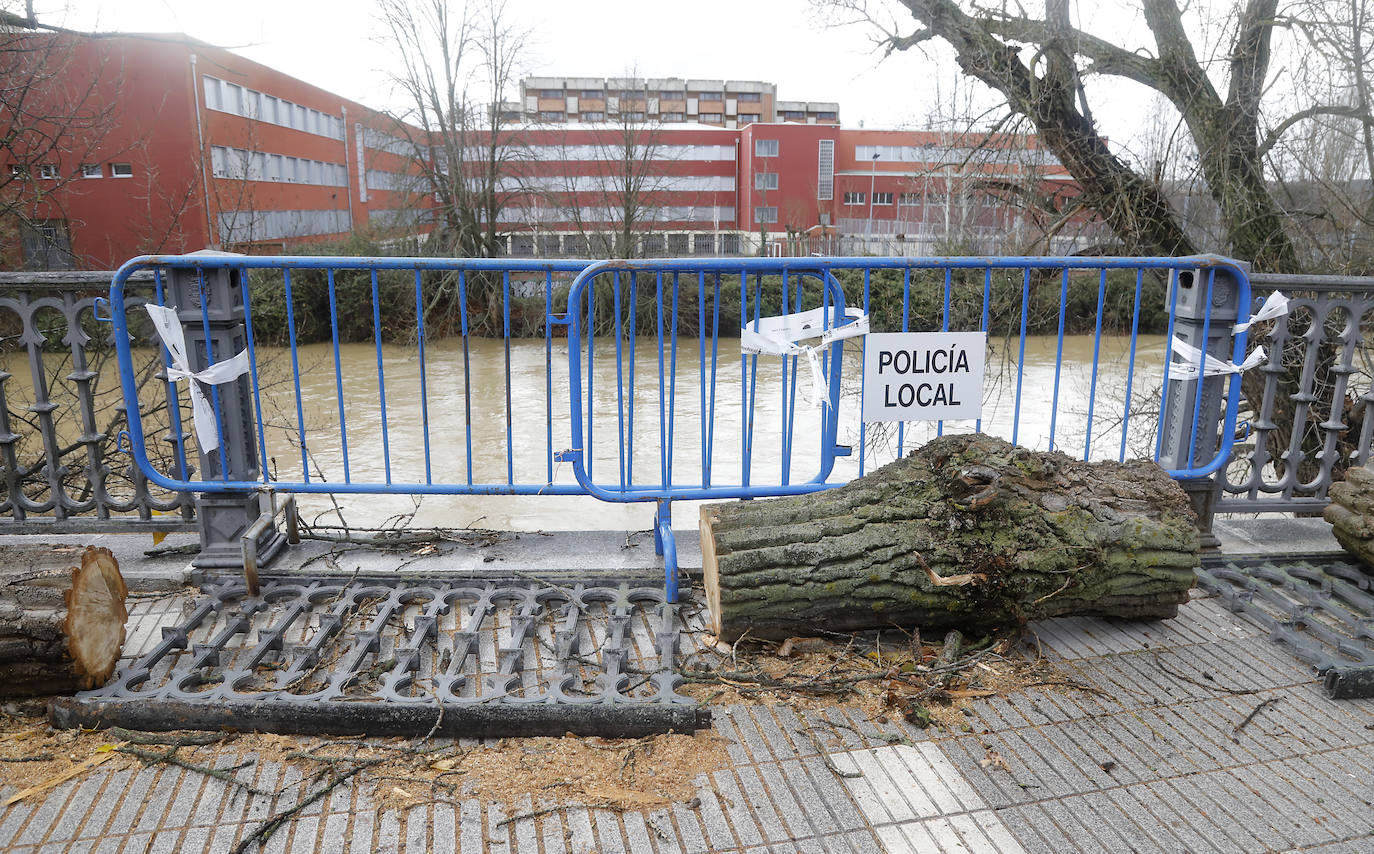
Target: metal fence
61	409
1309	410
628	381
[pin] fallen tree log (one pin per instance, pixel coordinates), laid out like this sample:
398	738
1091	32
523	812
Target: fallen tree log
1351	513
60	632
968	532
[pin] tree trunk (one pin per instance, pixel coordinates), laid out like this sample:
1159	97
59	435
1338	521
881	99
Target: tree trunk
61	631
1351	513
968	532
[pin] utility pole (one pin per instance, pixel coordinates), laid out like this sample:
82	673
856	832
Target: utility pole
872	183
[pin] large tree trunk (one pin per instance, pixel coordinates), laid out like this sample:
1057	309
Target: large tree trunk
60	632
1351	513
968	532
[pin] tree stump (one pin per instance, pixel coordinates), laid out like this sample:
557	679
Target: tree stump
1351	513
968	532
60	632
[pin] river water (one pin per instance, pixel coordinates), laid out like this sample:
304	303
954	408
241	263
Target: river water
511	436
512	427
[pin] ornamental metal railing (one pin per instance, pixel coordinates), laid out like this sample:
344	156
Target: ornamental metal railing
1308	411
62	410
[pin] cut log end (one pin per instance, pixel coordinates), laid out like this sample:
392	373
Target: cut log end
96	614
58	639
709	570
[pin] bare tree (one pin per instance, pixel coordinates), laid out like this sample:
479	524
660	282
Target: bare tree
1038	65
55	123
619	195
458	64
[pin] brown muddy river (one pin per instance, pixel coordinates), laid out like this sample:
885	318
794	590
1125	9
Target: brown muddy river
537	422
465	404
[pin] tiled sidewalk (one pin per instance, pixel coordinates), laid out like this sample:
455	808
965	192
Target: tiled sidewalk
1154	762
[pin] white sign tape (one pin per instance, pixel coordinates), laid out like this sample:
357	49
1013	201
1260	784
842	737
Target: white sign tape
1211	365
780	336
924	376
1275	306
174	339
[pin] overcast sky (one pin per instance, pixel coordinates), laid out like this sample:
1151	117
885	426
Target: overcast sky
339	45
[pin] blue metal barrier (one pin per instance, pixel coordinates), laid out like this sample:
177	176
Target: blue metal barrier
661	403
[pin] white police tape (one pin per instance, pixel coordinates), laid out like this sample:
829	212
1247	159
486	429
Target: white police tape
169	329
1211	366
1275	306
780	336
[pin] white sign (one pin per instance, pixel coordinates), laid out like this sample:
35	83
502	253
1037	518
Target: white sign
924	376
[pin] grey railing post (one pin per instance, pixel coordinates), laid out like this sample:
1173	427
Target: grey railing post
224	516
1192	322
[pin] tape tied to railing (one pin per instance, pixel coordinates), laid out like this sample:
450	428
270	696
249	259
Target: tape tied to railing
781	336
1275	306
1211	366
168	327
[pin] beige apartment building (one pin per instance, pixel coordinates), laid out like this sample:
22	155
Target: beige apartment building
721	103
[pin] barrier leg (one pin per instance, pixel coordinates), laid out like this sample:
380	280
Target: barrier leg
665	545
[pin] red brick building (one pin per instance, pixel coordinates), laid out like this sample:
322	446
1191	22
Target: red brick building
197	147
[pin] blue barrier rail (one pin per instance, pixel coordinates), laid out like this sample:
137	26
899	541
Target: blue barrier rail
626	380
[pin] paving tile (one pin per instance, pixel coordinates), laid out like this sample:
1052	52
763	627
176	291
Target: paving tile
736	808
40	823
609	838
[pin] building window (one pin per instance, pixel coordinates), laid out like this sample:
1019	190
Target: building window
825	170
766	214
121	170
825	218
550	93
748	118
92	170
703	244
594	116
882	198
677	244
765	148
594	94
793	115
765	180
827	116
708	118
710	96
672	117
909	199
855	198
632	95
48	171
729	244
751	96
550	116
672	96
634	116
18	171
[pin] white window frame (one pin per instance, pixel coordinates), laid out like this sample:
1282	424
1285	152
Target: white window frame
855	197
879	196
92	170
127	173
766	148
47	171
765	180
766	214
